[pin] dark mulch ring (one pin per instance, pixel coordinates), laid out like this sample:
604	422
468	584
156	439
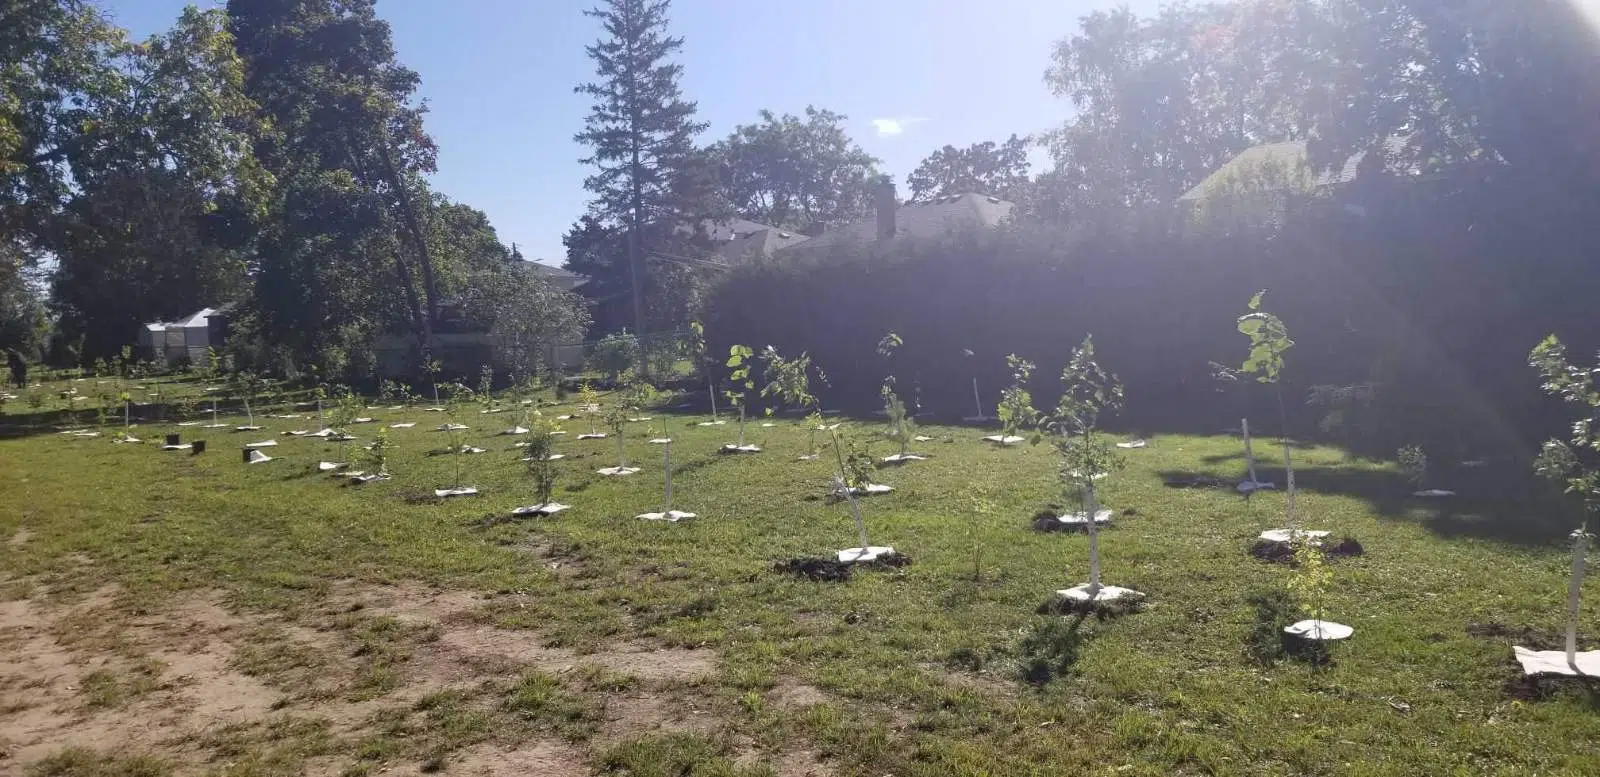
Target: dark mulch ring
1283	553
1060	605
831	570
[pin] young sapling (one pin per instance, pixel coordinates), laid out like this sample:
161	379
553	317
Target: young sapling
589	406
1089	390
1572	463
667	513
901	429
1016	410
852	479
626	403
1269	340
790	381
542	469
739	385
455	404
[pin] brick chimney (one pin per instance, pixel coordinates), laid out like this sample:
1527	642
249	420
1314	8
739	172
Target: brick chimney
887	204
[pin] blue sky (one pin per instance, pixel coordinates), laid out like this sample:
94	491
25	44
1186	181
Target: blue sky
498	78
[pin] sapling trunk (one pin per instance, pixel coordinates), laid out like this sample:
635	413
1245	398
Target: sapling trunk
622	458
1249	454
711	388
1580	551
213	410
976	400
861	526
741	425
321	424
666	466
248	413
1288	461
127	423
1094	537
1288	469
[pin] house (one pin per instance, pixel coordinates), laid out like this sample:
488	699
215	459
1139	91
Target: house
916	220
559	277
188	339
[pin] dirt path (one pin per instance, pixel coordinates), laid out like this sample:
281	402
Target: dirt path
397	679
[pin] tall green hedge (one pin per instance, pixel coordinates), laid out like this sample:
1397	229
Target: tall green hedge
1437	303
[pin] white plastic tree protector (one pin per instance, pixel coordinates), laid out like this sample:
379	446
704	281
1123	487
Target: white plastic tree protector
457	491
180	447
330	466
542	510
736	448
864	554
667	513
901	458
257	457
670	516
1004	439
592	436
262	444
617	471
515	431
1133	444
1319	631
1284	536
1433	493
401	426
1101	518
1108	594
1570	663
451	428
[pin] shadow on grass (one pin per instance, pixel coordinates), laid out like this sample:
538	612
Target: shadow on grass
1493	505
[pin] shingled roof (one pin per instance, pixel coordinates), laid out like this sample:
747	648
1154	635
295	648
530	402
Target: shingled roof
922	219
1281	166
764	241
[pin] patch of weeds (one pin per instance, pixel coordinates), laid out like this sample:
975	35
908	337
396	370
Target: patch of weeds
967	658
452	723
541	699
1049	649
674	755
277	746
383	644
107	689
83	762
1274	610
275	659
597	678
1101	610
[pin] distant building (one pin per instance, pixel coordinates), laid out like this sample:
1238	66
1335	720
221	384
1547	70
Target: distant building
187	339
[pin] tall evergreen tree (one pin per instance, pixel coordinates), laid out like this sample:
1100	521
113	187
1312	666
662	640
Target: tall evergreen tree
640	131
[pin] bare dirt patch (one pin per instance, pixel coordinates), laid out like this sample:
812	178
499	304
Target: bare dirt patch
797	763
20	537
796	696
60	692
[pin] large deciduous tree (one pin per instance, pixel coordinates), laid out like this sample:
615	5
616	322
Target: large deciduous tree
1000	170
791	171
640	134
1164	101
158	216
58	64
343	251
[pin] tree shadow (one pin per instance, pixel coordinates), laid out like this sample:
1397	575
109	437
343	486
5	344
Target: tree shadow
1494	505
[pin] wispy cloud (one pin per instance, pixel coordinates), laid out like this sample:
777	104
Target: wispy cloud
894	127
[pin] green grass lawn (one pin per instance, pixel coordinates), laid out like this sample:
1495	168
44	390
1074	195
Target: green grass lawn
912	671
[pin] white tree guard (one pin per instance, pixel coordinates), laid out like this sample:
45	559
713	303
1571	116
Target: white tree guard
1319	630
541	510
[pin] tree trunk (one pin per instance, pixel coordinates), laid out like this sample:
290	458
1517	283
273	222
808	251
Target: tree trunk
408	214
